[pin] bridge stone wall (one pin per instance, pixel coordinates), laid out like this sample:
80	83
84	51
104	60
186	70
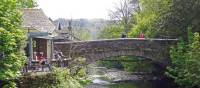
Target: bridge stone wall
154	49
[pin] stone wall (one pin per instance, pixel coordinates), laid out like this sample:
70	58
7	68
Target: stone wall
154	49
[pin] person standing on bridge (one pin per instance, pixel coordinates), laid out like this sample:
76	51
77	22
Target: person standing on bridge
141	35
123	35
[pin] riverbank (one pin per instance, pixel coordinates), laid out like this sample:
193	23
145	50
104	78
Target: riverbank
114	78
107	77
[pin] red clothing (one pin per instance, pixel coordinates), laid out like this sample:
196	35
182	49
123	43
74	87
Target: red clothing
41	58
141	35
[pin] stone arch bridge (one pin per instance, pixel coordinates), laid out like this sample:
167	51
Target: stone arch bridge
154	49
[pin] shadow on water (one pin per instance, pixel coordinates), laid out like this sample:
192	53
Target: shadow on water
151	81
144	84
102	82
134	84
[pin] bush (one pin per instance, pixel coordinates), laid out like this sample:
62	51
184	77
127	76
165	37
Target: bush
59	78
12	40
185	63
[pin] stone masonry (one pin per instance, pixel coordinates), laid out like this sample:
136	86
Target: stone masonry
153	49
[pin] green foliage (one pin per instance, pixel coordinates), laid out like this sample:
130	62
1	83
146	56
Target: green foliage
82	72
181	15
12	40
145	24
64	79
185	63
147	20
112	31
136	64
163	19
58	78
130	66
128	63
81	76
77	69
10	85
166	18
85	82
111	64
26	3
83	34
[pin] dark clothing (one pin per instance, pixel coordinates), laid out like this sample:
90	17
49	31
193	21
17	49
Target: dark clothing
123	36
43	63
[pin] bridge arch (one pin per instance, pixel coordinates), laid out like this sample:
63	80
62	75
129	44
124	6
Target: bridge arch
154	49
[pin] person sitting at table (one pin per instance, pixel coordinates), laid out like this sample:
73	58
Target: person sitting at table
59	56
41	59
56	56
35	57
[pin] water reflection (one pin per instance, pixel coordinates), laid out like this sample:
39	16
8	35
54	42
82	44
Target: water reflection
100	81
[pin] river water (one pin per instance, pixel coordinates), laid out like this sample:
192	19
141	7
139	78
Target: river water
104	78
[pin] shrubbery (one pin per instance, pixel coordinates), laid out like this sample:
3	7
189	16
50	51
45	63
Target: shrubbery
185	68
12	42
72	77
58	78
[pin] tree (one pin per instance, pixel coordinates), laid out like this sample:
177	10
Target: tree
181	15
12	40
167	18
185	63
111	31
123	13
26	3
148	18
82	34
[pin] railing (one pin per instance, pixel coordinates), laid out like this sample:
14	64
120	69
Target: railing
36	66
117	39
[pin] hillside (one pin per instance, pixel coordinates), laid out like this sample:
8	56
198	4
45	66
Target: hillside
92	26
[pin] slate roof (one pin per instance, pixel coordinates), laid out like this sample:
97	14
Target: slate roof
35	18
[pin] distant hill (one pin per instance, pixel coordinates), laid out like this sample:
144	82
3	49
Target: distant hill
93	25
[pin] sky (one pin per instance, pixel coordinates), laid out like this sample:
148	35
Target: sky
76	9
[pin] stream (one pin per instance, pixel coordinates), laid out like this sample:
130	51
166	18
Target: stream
113	78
